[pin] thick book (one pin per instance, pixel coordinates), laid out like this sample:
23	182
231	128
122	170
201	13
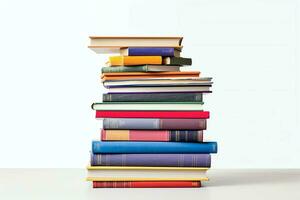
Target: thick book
152	160
150	51
177	61
154	97
146	184
154	124
147	75
113	44
151	114
138	173
141	68
153	147
143	106
203	81
153	135
134	60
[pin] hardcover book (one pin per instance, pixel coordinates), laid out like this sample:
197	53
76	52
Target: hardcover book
152	160
177	61
150	51
134	60
159	82
154	97
151	114
154	89
147	75
113	44
153	147
153	135
154	124
151	106
146	184
134	173
141	68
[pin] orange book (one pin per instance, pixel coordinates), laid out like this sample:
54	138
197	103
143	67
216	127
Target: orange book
143	75
133	60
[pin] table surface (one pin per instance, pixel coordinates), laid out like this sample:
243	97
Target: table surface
224	184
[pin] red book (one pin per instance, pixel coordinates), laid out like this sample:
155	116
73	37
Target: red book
146	184
152	114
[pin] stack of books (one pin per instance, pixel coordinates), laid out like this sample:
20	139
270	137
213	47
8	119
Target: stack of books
153	117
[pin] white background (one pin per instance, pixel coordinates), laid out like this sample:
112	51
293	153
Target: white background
49	78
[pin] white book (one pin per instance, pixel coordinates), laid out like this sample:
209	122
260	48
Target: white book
159	89
148	106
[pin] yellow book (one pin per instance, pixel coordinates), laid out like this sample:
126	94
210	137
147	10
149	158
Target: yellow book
138	173
133	60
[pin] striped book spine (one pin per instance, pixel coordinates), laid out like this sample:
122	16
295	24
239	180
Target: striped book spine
152	160
146	184
152	135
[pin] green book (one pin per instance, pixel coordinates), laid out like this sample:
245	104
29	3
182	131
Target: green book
142	68
177	61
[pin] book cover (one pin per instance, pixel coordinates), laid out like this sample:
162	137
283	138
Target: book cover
141	68
146	184
177	61
113	44
152	135
205	81
126	173
154	160
134	60
155	89
150	51
154	124
146	179
147	75
143	106
151	114
153	147
154	97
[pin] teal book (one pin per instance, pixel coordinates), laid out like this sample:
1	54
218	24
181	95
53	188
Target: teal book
153	147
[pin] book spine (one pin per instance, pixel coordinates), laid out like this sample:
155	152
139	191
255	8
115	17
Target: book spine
142	60
151	51
146	184
99	147
154	124
152	160
147	135
155	97
152	114
179	61
142	68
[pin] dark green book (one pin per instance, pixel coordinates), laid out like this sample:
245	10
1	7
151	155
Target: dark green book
142	68
177	61
154	97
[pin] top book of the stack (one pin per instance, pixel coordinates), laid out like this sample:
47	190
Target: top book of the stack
114	44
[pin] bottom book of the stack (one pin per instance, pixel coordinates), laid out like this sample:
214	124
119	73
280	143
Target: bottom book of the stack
136	176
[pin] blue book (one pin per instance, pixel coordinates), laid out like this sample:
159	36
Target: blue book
153	147
150	51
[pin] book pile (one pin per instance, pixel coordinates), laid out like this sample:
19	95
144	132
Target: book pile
153	119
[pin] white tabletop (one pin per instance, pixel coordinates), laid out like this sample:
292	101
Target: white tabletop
224	184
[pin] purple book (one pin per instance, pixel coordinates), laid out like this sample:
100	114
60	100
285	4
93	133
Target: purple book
149	51
155	160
